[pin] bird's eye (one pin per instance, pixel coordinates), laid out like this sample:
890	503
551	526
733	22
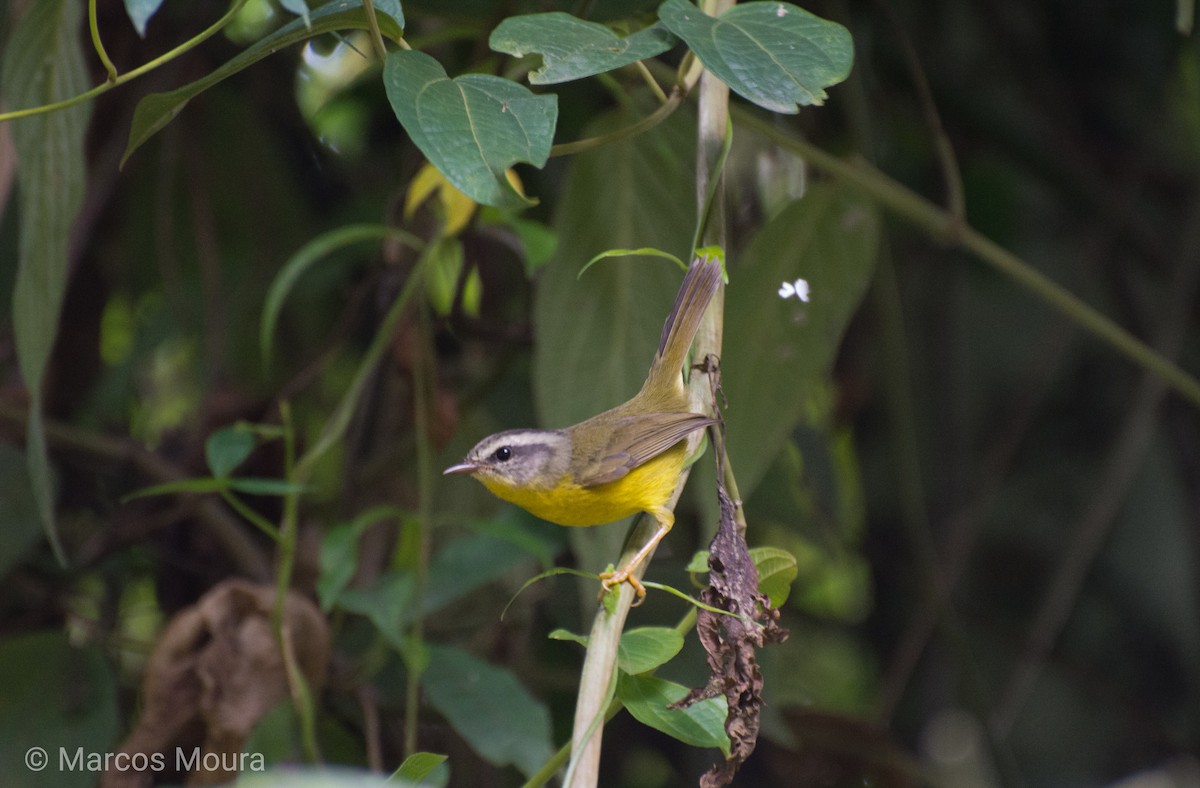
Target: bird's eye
503	454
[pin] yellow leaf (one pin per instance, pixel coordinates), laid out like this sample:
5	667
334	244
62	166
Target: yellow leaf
427	179
458	208
454	208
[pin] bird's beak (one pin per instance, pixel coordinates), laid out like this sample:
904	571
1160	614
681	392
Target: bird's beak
462	467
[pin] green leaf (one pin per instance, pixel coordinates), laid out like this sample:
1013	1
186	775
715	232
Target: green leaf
646	648
227	448
776	570
388	603
297	7
596	338
567	635
777	350
538	241
467	563
472	128
443	266
55	696
294	775
339	552
206	484
645	250
489	708
21	526
155	111
265	486
417	766
211	484
701	725
43	64
140	11
777	55
540	539
572	48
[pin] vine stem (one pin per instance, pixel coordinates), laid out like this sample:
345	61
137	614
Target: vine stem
94	25
599	667
115	80
376	35
938	222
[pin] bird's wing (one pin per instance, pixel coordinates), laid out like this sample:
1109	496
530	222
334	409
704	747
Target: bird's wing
638	439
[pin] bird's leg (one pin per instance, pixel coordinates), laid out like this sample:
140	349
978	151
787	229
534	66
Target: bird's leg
609	580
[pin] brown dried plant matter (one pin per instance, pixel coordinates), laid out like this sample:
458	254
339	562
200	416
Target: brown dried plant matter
215	671
731	642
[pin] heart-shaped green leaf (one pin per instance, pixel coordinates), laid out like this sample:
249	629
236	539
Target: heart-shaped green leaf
701	725
155	111
779	348
489	708
572	48
645	648
227	448
472	128
777	55
776	571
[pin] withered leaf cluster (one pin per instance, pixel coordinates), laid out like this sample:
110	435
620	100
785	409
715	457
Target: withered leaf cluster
731	642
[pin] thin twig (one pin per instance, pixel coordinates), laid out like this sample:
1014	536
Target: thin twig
104	87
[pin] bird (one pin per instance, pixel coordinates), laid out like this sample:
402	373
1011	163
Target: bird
620	462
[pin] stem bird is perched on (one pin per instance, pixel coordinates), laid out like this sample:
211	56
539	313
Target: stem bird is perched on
620	462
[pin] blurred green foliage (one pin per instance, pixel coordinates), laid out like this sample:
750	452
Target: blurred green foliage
994	518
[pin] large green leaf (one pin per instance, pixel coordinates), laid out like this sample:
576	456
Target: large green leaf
44	64
388	603
472	128
777	55
597	335
646	648
777	349
339	552
155	111
572	48
467	563
701	725
489	708
54	698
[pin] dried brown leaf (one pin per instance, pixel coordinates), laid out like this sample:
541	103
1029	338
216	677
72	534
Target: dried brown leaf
731	642
215	671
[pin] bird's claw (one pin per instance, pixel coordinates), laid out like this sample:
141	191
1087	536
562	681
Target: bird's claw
613	579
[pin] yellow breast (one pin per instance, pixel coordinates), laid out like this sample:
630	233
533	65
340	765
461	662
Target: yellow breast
646	487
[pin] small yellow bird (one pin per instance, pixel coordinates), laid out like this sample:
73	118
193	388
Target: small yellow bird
617	463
